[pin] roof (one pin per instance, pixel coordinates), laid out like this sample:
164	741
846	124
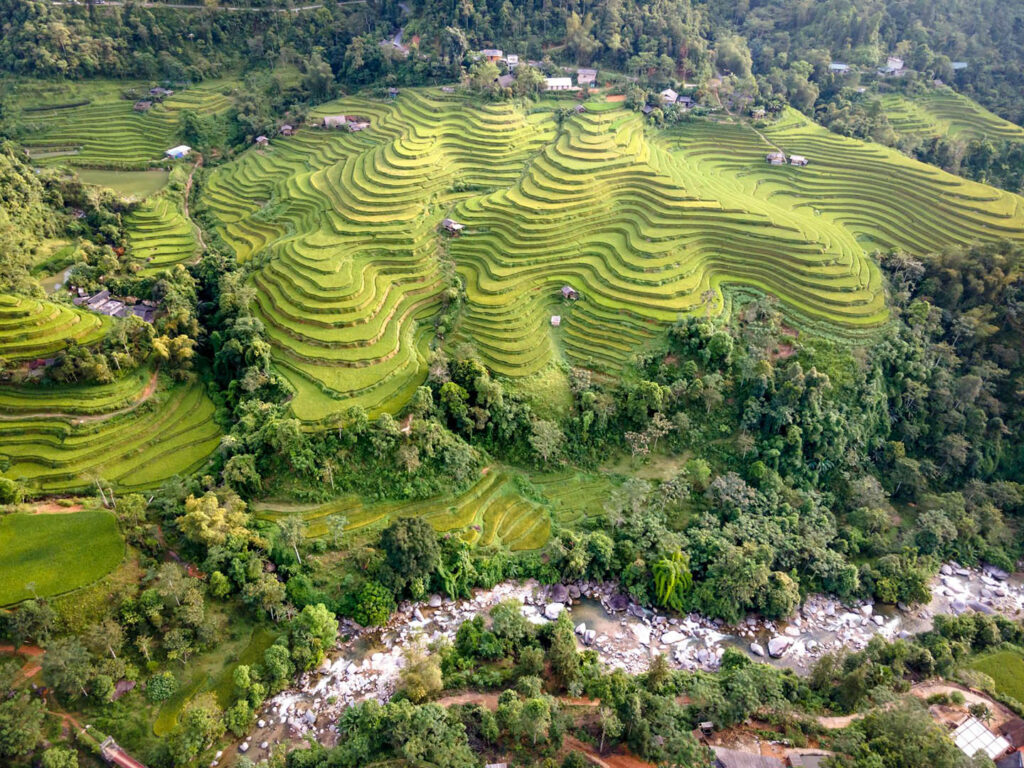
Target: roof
451	224
971	736
647	109
505	81
808	761
181	149
959	65
1014	760
512	58
797	159
838	66
262	139
286	127
585	71
774	155
558	82
491	52
734	758
669	95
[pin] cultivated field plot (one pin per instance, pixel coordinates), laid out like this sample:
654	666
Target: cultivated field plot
491	513
130	433
647	225
1006	667
160	234
944	112
35	328
93	126
49	554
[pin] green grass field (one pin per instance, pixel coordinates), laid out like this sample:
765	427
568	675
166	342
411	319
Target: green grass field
944	112
1007	669
48	554
140	184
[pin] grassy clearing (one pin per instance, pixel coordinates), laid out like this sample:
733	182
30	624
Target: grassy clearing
1006	667
140	184
56	553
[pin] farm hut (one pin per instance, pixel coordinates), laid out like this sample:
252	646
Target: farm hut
143	106
647	109
757	113
839	68
686	102
958	65
568	292
971	736
668	96
556	320
262	141
557	83
287	130
579	109
775	158
505	81
706	727
358	125
160	93
447	89
392	93
335	121
178	152
512	60
586	76
735	758
144	313
797	160
492	54
452	226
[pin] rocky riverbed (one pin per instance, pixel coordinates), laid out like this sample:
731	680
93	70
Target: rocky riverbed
624	634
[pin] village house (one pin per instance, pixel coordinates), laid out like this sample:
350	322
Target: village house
159	93
512	60
492	54
143	106
686	102
355	124
558	84
647	109
668	96
959	65
1013	760
893	66
775	158
102	303
287	130
579	109
839	68
586	76
392	93
335	121
797	160
447	89
505	81
452	226
262	141
177	153
757	113
568	292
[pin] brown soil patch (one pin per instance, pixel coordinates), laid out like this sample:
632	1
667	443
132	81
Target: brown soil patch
53	508
620	757
615	98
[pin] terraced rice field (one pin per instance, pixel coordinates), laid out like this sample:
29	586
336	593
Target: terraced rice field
57	440
491	513
35	328
107	132
160	234
647	225
944	112
344	226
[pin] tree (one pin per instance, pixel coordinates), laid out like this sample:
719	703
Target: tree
410	549
374	604
60	757
67	666
10	492
201	723
21	723
611	726
546	439
293	532
311	633
209	523
336	525
420	678
33	620
161	687
535	720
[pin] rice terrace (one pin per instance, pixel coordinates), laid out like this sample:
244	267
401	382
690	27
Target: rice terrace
457	385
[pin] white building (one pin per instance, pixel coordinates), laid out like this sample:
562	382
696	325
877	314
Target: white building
668	96
177	153
972	737
558	84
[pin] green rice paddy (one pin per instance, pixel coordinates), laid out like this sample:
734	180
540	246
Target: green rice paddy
1006	668
139	184
35	328
944	112
49	554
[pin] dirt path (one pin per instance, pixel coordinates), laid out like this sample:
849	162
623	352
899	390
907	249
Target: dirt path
32	667
188	191
615	759
76	419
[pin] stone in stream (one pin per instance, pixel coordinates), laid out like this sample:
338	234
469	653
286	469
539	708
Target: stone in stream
642	633
589	636
757	649
879	620
243	747
671	637
435	601
778	646
574	592
792	631
553	610
581	628
558	593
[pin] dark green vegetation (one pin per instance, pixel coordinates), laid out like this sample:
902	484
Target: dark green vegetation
774	381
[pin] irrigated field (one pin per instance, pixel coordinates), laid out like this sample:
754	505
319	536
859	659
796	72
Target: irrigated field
49	554
647	225
160	234
59	439
491	513
1006	668
93	126
35	328
944	112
